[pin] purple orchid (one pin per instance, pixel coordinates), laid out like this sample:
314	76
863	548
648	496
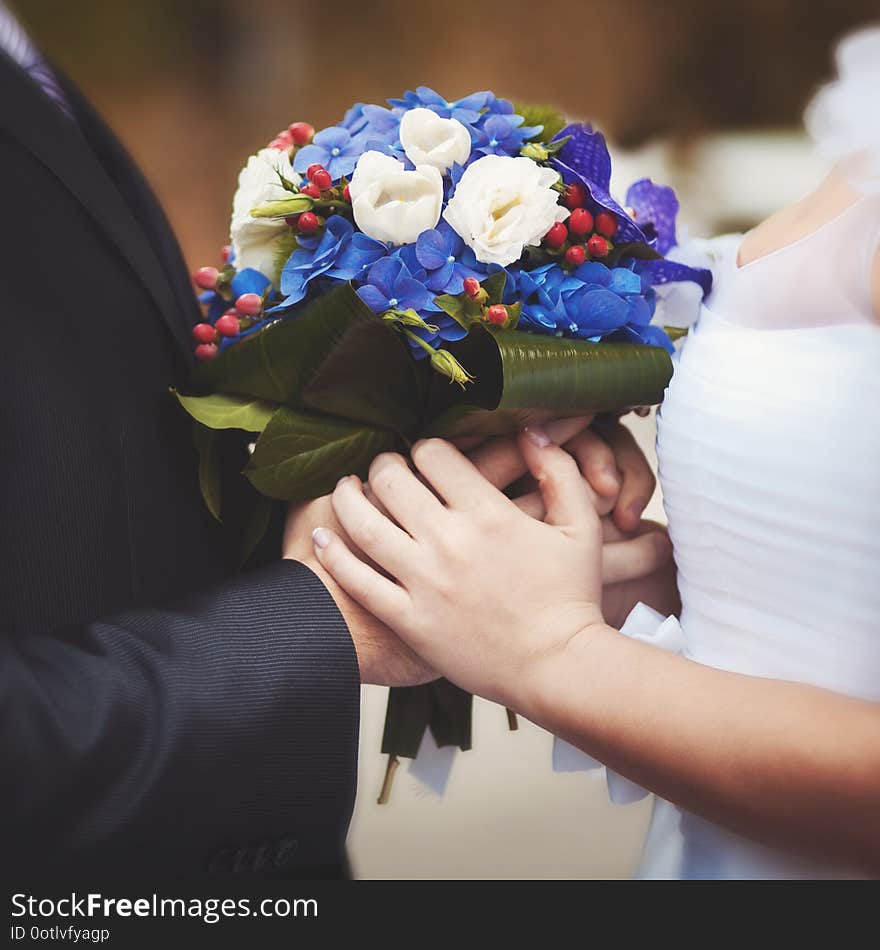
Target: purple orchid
655	207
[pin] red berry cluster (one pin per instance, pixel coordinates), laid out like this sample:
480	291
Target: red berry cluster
495	314
318	185
584	235
239	317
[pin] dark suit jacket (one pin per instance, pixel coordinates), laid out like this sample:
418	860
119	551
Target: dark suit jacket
158	712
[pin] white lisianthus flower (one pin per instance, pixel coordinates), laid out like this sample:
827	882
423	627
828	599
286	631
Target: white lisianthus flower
502	205
391	204
429	140
255	240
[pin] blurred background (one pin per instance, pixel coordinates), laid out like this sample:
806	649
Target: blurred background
706	96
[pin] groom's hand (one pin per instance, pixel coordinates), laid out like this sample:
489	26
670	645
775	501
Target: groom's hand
383	658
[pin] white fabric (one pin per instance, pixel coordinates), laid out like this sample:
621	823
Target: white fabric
844	118
769	453
643	624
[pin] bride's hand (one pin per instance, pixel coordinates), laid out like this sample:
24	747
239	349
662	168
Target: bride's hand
483	591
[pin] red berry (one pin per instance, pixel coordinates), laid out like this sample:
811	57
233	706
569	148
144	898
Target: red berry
597	246
322	179
307	223
301	132
206	278
227	325
575	255
497	314
282	141
249	304
313	169
471	286
226	253
580	222
557	235
606	224
313	191
346	194
203	333
206	351
575	195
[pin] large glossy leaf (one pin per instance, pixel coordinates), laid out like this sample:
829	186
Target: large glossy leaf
336	356
301	456
226	411
521	377
210	474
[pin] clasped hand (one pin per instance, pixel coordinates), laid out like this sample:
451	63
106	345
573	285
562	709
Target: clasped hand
438	571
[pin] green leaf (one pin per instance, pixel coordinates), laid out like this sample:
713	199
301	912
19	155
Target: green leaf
676	333
494	286
335	355
210	475
302	456
283	207
552	120
634	249
225	411
523	377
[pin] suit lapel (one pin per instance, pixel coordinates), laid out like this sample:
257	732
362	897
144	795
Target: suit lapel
37	123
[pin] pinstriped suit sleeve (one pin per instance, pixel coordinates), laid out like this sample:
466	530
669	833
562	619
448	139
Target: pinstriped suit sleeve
151	740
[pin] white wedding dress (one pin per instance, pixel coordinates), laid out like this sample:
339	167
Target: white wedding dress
769	450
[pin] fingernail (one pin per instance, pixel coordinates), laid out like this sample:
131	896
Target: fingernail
321	537
537	436
610	473
344	478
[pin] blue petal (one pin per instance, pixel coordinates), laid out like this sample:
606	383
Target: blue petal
373	298
431	249
624	281
309	155
592	272
335	136
412	295
249	281
384	275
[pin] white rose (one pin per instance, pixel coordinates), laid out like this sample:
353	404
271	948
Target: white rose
502	205
391	204
429	140
255	240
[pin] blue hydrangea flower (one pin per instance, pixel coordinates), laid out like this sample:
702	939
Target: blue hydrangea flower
446	259
354	119
502	135
313	259
356	256
335	148
467	110
389	285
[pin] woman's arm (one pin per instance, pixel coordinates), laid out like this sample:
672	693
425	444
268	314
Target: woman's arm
786	764
507	607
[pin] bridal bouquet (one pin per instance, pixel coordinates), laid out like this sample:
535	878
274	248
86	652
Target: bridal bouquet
431	268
